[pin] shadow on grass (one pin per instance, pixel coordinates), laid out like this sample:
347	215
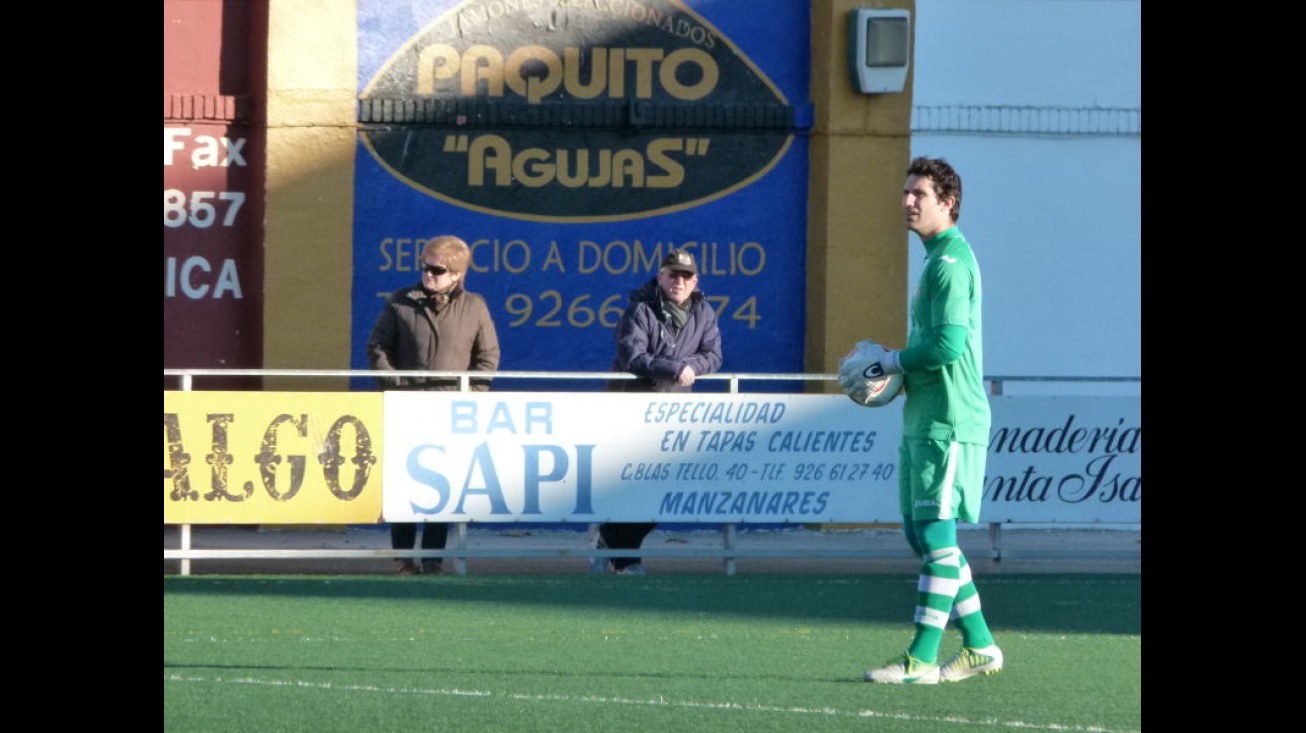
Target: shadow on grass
464	672
1081	603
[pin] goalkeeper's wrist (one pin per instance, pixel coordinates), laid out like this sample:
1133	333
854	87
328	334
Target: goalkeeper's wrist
890	362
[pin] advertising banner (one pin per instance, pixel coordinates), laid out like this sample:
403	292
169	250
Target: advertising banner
271	457
738	458
572	145
638	457
307	458
1065	459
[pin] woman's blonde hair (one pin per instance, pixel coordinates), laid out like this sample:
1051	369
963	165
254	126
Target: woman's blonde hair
453	251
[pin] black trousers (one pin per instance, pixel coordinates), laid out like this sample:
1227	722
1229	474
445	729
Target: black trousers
625	536
403	536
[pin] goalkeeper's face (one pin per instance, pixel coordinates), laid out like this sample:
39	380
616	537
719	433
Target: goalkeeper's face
922	209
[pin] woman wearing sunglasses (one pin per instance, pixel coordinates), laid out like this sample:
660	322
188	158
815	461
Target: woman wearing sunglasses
436	325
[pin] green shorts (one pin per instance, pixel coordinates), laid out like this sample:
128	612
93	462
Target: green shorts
939	479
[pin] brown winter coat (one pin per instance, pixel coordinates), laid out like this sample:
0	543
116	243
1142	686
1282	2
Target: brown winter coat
410	333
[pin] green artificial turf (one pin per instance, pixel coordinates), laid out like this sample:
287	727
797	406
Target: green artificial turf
617	653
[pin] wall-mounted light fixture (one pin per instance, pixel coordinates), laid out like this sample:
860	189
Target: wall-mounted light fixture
879	49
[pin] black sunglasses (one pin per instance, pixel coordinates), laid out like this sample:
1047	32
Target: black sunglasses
436	270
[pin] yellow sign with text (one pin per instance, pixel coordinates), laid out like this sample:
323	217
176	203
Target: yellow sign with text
271	457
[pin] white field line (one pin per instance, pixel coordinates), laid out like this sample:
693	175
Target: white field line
651	702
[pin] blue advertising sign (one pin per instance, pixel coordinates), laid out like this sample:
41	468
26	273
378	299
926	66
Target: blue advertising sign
572	145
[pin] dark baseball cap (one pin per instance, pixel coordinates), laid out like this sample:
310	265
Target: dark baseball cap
679	259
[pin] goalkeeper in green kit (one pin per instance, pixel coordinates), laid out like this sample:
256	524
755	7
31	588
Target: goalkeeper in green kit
945	434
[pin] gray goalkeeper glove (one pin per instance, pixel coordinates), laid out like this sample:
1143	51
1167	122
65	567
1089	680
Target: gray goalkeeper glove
884	366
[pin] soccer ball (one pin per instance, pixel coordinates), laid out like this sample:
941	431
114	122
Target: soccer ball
867	391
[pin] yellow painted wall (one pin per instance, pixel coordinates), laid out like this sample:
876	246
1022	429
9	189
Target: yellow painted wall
857	243
312	121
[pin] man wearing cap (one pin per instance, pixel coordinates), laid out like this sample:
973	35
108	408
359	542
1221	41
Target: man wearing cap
667	337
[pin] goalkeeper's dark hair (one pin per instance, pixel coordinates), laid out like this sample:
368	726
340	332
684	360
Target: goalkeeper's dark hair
947	183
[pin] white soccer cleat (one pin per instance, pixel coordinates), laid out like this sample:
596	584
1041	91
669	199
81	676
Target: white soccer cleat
904	670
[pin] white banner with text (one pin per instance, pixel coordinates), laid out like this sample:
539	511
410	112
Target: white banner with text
743	458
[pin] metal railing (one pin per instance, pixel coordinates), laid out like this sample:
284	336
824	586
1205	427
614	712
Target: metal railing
733	379
456	547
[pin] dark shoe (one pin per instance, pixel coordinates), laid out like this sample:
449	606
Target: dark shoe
409	567
432	567
598	565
